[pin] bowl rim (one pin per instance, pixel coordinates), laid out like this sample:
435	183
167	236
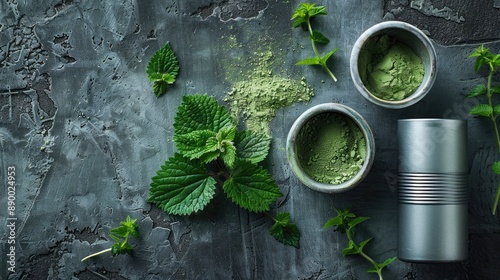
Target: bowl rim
292	155
424	87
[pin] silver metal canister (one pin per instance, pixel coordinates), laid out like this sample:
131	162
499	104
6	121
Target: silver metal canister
432	190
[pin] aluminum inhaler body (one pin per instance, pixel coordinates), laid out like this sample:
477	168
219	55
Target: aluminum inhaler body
432	190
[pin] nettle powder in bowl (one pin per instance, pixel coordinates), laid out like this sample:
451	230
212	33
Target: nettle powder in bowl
330	148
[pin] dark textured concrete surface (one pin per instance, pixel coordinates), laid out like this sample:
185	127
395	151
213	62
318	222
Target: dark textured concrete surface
79	122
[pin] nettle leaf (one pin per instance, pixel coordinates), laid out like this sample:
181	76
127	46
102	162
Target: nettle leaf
127	227
496	167
162	69
305	11
495	89
350	249
182	186
284	231
309	61
251	187
196	144
484	110
477	90
362	244
336	221
357	221
201	112
318	37
228	153
225	145
325	58
252	146
387	262
496	110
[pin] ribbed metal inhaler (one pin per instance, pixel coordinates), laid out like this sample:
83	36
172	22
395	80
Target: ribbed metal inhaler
432	190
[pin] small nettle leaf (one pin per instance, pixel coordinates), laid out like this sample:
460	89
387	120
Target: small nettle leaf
251	187
201	112
495	89
309	61
195	144
357	221
362	244
298	22
336	221
228	153
496	110
252	146
226	134
318	37
477	90
284	231
328	55
121	248
496	167
484	110
182	186
479	62
159	87
162	69
350	249
387	262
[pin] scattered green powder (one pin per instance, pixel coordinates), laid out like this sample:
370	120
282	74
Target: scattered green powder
262	94
331	148
390	69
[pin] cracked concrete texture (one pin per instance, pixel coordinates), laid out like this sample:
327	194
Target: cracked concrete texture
449	22
79	121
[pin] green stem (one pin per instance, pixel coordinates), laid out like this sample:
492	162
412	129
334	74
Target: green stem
497	134
323	64
497	197
492	116
365	256
312	41
96	254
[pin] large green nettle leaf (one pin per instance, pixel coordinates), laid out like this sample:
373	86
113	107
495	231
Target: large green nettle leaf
182	186
200	112
163	69
251	187
252	146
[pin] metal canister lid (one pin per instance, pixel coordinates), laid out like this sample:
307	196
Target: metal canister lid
432	146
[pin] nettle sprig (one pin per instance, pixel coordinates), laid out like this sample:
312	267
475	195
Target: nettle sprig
346	222
489	110
121	236
302	17
163	68
211	153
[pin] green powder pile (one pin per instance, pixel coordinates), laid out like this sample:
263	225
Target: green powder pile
331	148
390	69
262	95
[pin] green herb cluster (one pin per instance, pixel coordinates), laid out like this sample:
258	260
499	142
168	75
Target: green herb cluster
302	17
346	222
489	110
211	151
121	236
162	69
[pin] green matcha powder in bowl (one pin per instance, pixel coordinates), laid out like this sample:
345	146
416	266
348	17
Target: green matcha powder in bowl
393	64
330	148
